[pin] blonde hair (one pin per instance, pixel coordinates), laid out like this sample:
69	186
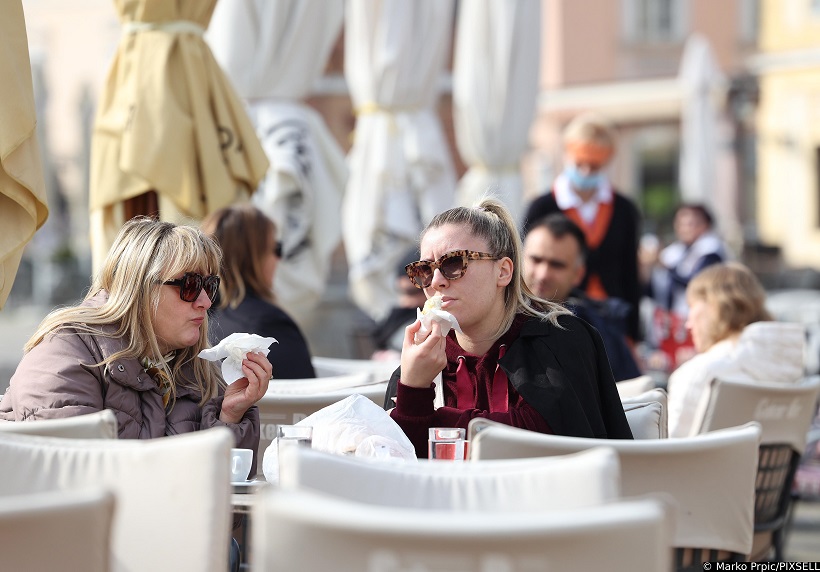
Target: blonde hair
243	232
736	295
491	221
145	254
590	127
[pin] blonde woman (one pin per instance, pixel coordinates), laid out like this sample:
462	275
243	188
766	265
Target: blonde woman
735	339
247	303
519	360
132	345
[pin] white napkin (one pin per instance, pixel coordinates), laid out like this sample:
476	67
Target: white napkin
432	312
233	350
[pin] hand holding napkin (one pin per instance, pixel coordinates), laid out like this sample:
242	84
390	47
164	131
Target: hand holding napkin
233	350
432	312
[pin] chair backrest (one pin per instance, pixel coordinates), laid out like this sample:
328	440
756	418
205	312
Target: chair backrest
522	485
67	530
379	370
647	414
711	477
172	494
784	411
99	425
311	532
289	401
635	386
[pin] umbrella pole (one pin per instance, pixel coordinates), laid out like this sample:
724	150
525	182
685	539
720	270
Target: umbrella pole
146	204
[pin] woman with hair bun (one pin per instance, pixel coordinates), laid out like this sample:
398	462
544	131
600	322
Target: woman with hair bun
518	359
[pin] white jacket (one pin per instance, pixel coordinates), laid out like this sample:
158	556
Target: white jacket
764	352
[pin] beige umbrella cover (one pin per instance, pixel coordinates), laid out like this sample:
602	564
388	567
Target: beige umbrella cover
169	121
23	206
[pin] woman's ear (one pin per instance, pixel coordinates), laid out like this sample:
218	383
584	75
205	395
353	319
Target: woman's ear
505	272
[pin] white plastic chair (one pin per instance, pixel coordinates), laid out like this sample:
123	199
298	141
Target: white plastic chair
647	414
784	412
711	478
328	366
172	494
635	386
99	425
522	485
310	532
66	530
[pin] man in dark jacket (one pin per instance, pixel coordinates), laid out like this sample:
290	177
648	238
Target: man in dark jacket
554	266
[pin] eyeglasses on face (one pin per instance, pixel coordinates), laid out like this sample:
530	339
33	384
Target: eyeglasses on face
452	265
191	284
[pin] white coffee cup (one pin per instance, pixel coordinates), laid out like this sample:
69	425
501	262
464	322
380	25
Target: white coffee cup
241	461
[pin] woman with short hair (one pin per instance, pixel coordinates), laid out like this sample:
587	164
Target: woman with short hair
132	345
735	339
518	359
247	302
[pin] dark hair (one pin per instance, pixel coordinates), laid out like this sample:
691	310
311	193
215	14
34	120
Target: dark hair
699	209
559	226
243	232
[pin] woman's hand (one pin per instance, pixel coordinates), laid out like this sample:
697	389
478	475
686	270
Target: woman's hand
245	391
422	362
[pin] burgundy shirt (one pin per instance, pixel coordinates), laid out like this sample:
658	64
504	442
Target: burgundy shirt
474	386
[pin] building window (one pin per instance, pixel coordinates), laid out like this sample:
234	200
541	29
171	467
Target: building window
655	21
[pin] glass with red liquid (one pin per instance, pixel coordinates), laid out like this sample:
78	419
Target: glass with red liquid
446	443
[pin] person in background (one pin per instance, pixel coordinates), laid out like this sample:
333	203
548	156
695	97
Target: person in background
554	264
246	300
734	338
388	334
132	345
609	220
696	247
518	359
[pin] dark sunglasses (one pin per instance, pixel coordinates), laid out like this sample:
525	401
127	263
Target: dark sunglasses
277	249
191	284
452	265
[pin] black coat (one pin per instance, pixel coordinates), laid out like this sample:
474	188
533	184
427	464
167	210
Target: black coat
290	357
615	261
564	374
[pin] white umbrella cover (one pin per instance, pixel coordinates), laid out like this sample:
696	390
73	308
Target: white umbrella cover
274	52
401	172
495	88
701	81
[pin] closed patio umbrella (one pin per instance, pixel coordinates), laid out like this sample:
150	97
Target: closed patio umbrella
274	52
701	82
168	123
401	172
23	207
495	87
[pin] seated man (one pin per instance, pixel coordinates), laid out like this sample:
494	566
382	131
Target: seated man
554	264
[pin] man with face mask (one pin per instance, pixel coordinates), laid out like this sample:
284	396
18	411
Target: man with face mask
609	220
